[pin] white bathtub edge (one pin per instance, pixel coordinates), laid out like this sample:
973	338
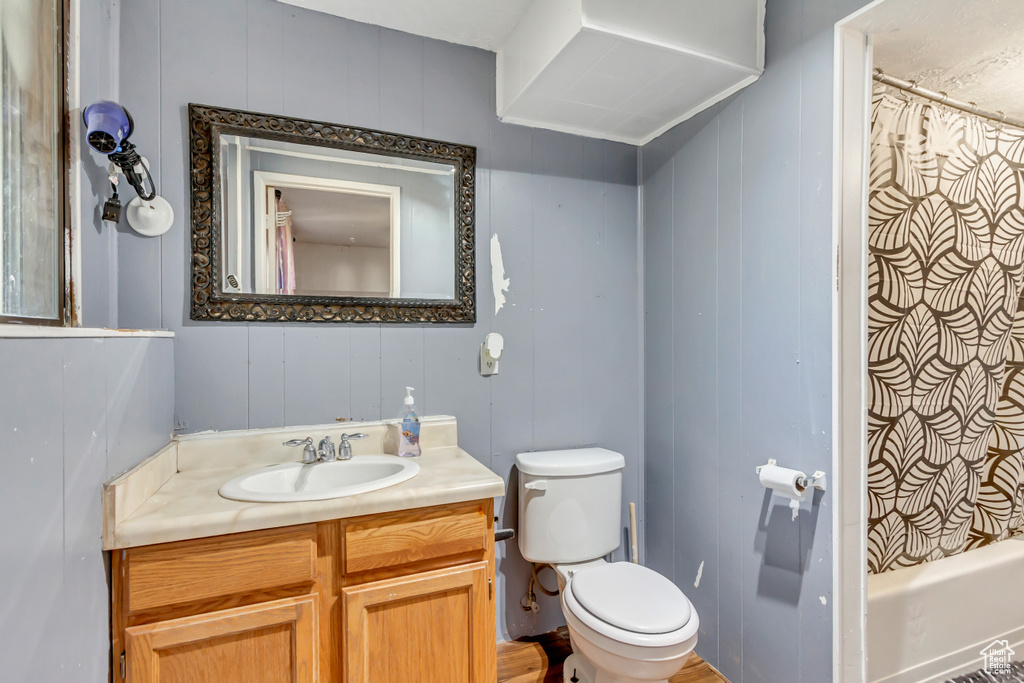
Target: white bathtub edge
965	660
929	622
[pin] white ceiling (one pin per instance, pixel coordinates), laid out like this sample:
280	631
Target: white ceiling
973	50
479	23
340	218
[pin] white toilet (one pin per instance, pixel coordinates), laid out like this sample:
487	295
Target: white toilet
627	623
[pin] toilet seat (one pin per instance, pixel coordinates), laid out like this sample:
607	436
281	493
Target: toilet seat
630	604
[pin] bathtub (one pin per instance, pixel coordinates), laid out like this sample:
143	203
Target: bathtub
930	622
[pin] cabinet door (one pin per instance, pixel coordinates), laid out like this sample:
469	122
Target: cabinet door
433	627
272	642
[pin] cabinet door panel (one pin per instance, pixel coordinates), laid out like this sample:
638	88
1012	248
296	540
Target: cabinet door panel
431	627
273	642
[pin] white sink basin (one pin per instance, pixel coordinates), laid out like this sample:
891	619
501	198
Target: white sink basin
320	481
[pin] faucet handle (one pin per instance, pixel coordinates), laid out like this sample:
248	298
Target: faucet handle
346	447
308	453
357	435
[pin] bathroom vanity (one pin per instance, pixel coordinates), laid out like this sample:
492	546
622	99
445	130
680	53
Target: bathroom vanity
391	585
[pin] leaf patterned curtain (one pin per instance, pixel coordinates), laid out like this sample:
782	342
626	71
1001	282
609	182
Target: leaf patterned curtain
946	331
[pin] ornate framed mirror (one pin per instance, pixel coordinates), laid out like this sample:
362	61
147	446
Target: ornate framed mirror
296	220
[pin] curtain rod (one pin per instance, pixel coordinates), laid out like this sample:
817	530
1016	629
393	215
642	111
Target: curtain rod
943	98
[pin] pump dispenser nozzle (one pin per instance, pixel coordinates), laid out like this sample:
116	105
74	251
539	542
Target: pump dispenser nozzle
408	396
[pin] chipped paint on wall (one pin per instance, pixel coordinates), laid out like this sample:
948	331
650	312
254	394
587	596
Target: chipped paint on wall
499	282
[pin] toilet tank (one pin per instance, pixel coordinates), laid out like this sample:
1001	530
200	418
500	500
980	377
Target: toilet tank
570	504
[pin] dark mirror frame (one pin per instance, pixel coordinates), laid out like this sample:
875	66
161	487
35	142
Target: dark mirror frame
208	300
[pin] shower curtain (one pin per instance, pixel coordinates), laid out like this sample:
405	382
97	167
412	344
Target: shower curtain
285	249
946	331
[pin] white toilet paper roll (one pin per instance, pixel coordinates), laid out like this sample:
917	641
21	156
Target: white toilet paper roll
783	481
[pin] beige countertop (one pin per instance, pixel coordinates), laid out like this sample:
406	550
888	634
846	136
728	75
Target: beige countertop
172	495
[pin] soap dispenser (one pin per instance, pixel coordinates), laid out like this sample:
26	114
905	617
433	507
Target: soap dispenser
409	439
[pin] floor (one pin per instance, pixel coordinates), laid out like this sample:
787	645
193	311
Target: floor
538	659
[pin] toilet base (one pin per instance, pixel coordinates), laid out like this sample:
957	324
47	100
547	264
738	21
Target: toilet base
577	669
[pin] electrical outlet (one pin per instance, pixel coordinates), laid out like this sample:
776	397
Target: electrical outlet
488	364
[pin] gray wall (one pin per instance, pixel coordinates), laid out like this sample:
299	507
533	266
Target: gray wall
73	412
738	233
98	80
564	208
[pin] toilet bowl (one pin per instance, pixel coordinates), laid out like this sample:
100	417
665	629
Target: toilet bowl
627	623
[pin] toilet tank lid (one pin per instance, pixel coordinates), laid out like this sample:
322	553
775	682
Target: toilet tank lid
570	462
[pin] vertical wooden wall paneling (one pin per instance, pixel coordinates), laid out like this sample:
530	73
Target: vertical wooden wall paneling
659	403
139	259
695	371
771	409
97	80
32	507
617	410
70	412
732	473
85	639
818	35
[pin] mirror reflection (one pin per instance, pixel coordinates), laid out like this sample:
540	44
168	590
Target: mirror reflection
304	220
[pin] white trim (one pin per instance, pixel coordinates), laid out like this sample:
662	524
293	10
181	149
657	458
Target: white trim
707	104
641	259
241	212
354	162
572	130
264	179
262	276
852	89
15	331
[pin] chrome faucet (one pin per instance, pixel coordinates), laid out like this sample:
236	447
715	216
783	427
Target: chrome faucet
326	449
346	447
308	453
324	452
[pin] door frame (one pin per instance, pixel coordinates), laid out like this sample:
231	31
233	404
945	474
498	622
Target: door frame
264	179
851	157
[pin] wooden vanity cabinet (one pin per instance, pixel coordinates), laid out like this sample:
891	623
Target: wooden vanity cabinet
395	597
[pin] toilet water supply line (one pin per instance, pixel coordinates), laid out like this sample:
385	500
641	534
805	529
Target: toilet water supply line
529	601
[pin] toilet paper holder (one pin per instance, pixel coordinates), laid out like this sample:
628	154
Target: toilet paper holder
816	480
